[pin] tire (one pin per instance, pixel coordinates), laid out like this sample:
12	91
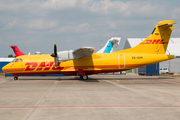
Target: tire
15	78
81	77
85	77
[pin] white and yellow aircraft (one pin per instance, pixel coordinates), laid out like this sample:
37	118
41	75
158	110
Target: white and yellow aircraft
84	62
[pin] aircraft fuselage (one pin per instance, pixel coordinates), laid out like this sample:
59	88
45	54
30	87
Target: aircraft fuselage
97	63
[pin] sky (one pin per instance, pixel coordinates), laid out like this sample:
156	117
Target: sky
35	25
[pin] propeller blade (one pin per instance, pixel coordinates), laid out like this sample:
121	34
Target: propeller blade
55	61
55	55
55	50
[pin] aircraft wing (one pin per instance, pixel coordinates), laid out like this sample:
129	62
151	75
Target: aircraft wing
83	52
75	54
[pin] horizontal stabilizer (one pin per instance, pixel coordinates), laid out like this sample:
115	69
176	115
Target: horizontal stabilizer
166	25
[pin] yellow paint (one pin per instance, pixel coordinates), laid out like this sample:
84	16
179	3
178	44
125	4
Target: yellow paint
151	50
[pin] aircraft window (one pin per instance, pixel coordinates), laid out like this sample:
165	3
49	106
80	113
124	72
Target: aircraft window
18	60
14	60
153	30
165	69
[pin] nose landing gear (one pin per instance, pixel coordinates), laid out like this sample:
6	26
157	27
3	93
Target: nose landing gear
15	77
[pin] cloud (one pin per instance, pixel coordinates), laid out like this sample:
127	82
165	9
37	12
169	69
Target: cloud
15	22
13	6
59	4
126	9
36	24
176	13
112	24
41	24
83	27
33	22
67	29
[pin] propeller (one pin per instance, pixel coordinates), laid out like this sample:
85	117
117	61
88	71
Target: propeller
55	54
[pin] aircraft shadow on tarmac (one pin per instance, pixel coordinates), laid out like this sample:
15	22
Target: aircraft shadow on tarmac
144	78
56	78
97	79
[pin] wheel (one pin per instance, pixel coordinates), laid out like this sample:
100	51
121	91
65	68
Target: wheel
85	77
81	77
15	78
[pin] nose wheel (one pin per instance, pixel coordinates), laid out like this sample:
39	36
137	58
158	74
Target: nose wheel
85	77
15	78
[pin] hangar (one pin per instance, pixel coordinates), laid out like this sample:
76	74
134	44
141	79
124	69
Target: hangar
173	46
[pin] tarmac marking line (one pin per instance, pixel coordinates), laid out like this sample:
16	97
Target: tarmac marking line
169	81
99	106
35	107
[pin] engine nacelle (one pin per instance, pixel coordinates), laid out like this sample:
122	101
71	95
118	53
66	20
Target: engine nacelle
74	54
65	55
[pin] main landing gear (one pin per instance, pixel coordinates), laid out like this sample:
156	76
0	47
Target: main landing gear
82	74
85	77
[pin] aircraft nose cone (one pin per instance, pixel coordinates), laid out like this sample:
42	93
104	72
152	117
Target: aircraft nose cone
4	69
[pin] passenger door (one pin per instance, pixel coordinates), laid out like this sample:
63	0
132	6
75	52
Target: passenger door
121	61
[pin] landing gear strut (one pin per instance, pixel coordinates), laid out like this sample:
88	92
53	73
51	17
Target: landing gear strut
85	77
82	74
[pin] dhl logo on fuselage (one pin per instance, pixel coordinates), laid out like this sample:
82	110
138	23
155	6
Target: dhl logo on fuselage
155	42
42	66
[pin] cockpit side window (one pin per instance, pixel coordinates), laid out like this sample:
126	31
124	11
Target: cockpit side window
18	60
14	60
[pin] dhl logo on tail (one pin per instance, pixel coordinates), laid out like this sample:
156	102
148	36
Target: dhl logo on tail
155	42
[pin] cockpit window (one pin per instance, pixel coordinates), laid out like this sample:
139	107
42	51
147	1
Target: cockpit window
14	60
18	60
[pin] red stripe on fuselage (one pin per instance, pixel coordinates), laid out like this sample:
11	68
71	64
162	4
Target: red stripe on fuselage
89	72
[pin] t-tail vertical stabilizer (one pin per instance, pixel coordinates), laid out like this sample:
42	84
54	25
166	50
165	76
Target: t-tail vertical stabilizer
110	46
157	42
16	50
